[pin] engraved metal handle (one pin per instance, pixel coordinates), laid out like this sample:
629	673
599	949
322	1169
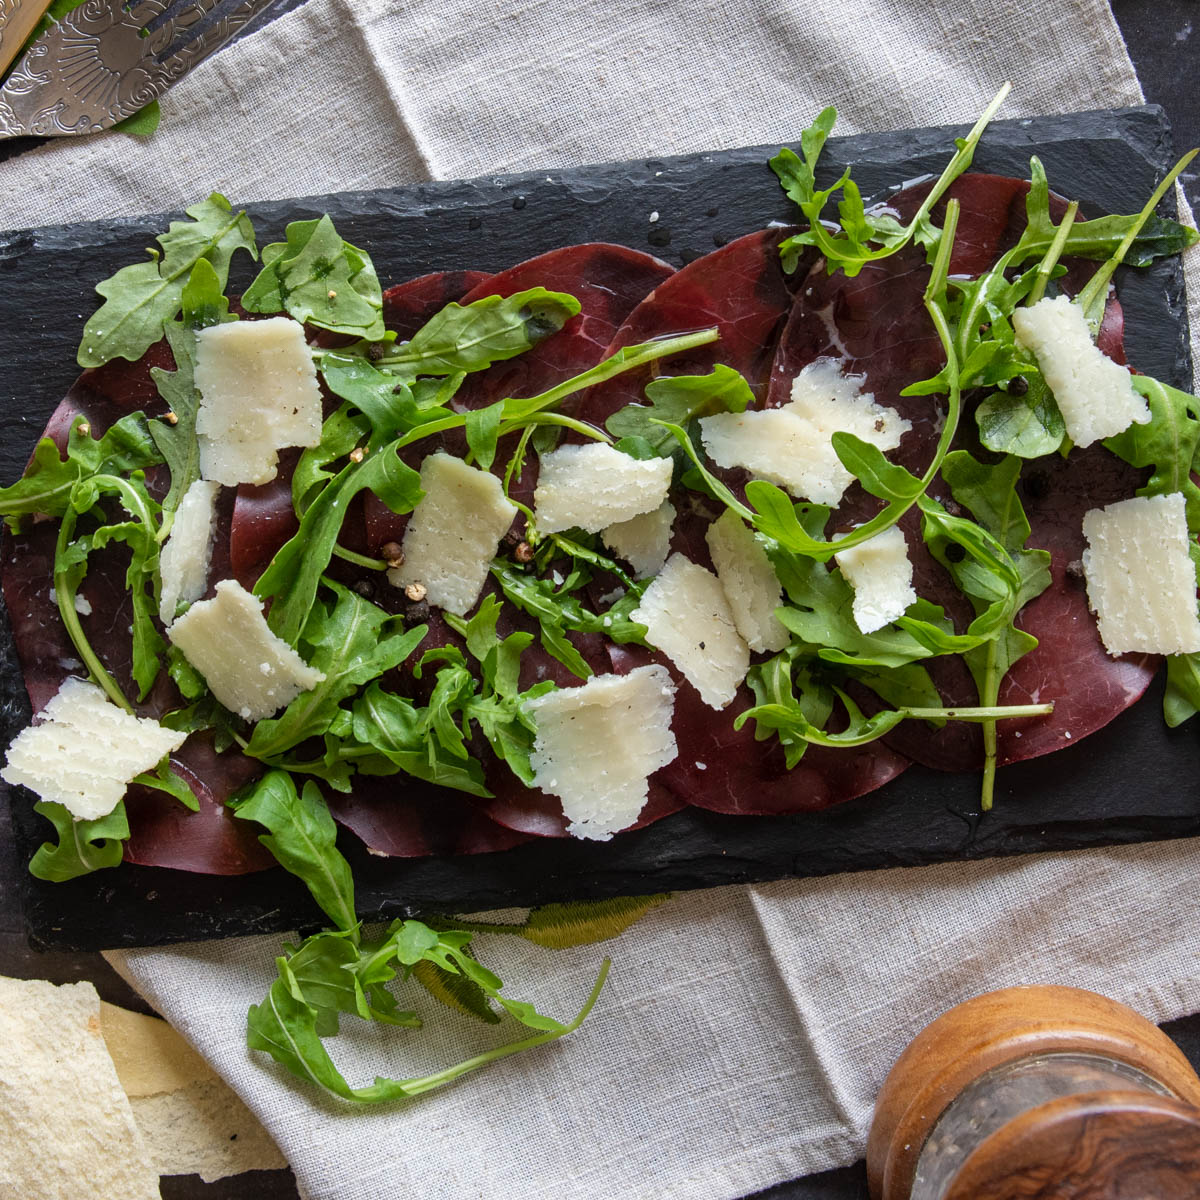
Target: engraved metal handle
104	61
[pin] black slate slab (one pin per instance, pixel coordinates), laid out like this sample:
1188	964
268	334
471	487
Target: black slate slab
1133	782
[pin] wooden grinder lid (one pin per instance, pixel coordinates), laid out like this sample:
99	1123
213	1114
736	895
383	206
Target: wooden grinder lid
1098	1146
997	1028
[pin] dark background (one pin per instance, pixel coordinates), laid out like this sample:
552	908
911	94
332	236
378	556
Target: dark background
1160	40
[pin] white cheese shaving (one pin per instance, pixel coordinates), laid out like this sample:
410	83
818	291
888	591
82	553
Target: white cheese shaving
183	563
687	617
881	574
594	486
258	393
643	541
249	670
453	533
1141	582
791	446
749	581
596	746
85	750
1094	394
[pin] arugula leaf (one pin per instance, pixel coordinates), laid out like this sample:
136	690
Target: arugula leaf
863	236
998	579
83	846
472	337
774	683
293	574
288	1024
1182	698
399	732
455	991
482	430
302	836
678	399
48	480
163	779
1025	424
140	299
1169	444
320	280
351	641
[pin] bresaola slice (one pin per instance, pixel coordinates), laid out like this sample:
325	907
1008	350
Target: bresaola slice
740	289
407	306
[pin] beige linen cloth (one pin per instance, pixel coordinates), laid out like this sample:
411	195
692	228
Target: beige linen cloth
744	1032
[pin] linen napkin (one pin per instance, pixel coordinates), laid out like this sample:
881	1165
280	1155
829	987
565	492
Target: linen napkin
743	1032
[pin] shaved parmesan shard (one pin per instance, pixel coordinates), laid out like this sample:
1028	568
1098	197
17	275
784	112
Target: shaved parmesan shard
791	446
249	670
85	750
687	617
183	564
881	575
453	533
643	541
597	745
1141	582
594	486
258	393
1094	393
749	582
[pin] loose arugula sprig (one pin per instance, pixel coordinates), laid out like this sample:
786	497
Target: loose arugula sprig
863	237
343	971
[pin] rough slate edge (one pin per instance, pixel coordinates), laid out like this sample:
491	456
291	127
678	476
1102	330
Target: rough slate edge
1108	160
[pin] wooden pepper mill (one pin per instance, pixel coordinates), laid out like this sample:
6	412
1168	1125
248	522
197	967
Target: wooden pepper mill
1051	1093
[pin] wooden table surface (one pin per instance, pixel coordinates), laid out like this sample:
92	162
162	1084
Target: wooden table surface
1166	52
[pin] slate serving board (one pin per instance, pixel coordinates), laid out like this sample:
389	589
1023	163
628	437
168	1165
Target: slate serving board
1135	781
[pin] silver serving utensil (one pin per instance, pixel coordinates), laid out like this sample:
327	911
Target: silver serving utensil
107	59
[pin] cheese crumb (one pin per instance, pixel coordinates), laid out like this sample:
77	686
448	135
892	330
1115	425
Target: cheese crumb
453	533
791	446
596	746
258	393
881	574
1141	582
183	564
594	486
228	641
1094	394
687	617
749	582
643	541
85	750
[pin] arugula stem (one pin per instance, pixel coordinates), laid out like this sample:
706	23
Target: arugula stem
1050	261
359	560
623	360
934	293
985	714
1091	296
991	692
958	164
580	427
64	593
414	1087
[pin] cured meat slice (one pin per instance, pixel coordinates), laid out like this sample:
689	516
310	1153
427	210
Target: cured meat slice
212	841
741	289
407	306
726	770
398	816
839	317
608	281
